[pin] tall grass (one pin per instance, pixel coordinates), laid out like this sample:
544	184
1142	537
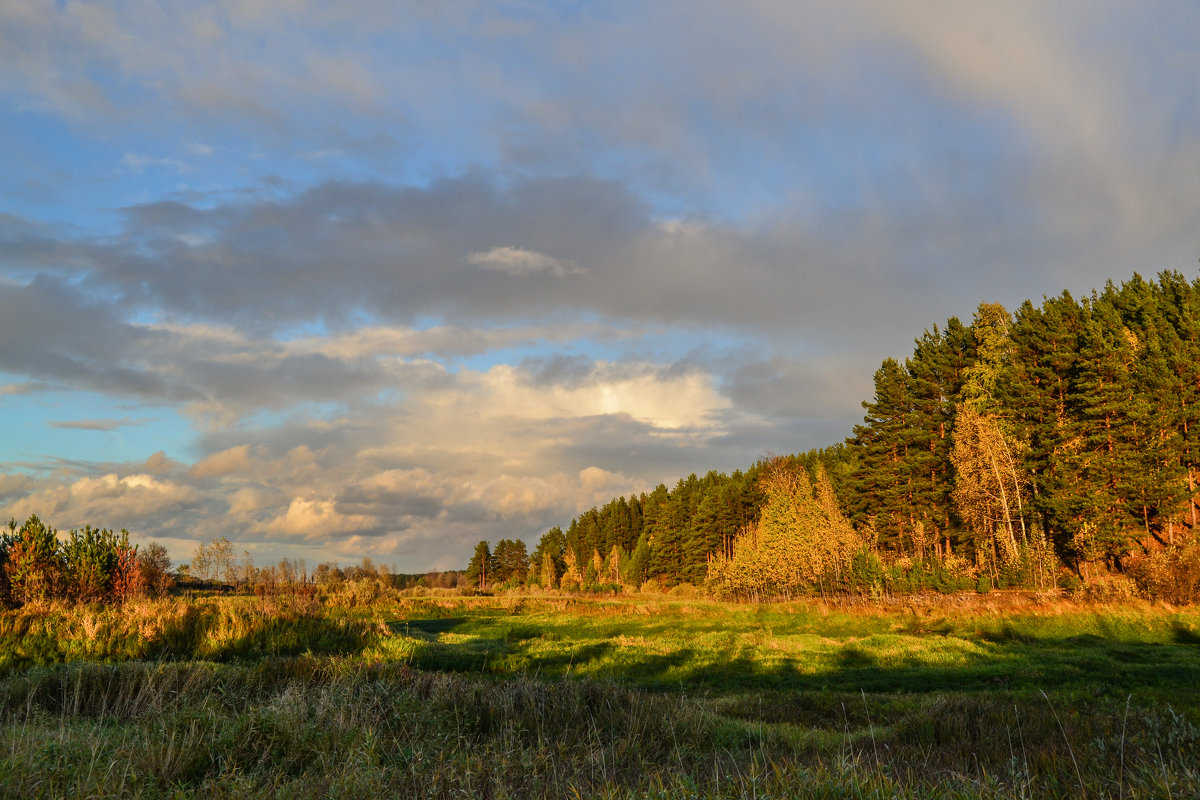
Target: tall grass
641	697
305	727
216	629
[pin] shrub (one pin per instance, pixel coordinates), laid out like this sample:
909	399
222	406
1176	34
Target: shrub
1171	574
1108	589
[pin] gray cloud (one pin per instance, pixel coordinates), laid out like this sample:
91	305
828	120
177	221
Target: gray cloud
567	255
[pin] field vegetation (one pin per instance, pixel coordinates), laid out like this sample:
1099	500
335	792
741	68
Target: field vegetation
549	695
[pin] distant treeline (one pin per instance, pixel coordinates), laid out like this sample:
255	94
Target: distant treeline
665	534
97	565
1054	445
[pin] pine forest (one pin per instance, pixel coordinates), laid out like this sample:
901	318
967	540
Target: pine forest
1053	446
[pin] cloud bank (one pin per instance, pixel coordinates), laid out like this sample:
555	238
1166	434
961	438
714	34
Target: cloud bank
362	278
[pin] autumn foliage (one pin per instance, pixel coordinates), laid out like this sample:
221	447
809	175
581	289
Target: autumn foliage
89	565
801	543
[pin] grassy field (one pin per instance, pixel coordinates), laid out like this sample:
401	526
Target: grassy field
630	697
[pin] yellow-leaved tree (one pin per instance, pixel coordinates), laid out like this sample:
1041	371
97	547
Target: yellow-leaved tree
801	543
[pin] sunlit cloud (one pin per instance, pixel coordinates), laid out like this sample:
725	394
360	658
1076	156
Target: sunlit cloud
398	278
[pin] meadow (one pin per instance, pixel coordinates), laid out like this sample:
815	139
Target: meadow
569	696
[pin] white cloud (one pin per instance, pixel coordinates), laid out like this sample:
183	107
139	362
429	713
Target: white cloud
250	499
107	500
519	262
316	518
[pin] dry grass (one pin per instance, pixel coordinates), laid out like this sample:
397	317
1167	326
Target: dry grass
559	697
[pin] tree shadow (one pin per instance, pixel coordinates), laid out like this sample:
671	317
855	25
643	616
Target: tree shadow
429	627
1010	660
1182	634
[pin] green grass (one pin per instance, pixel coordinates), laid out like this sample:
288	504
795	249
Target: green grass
725	648
629	697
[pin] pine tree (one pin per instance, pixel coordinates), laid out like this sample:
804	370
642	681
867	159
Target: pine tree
482	566
511	561
32	564
554	544
1040	399
882	486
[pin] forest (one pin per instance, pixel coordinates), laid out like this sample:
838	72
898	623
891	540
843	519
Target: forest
1053	446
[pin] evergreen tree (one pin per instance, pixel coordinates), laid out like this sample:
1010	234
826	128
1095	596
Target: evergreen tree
32	563
512	563
883	484
635	570
554	544
482	567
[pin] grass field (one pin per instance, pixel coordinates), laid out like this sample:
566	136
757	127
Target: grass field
619	697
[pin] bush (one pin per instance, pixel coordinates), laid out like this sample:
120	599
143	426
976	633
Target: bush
1109	589
1171	574
1070	582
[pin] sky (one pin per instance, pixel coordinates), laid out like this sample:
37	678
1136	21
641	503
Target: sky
385	278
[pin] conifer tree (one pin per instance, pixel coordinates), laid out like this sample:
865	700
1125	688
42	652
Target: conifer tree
482	566
882	486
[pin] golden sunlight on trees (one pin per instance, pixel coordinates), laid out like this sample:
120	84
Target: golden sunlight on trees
990	478
801	542
90	565
988	488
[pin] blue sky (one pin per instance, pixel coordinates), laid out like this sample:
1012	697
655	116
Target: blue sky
383	279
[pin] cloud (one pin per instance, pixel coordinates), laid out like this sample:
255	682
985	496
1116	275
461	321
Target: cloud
108	500
137	163
316	519
233	460
519	263
498	452
451	275
98	424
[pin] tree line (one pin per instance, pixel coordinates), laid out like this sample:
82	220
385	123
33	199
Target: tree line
89	565
664	535
1046	446
1050	446
1066	430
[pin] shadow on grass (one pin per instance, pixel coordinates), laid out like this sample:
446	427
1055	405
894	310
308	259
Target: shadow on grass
430	627
1010	660
1183	634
